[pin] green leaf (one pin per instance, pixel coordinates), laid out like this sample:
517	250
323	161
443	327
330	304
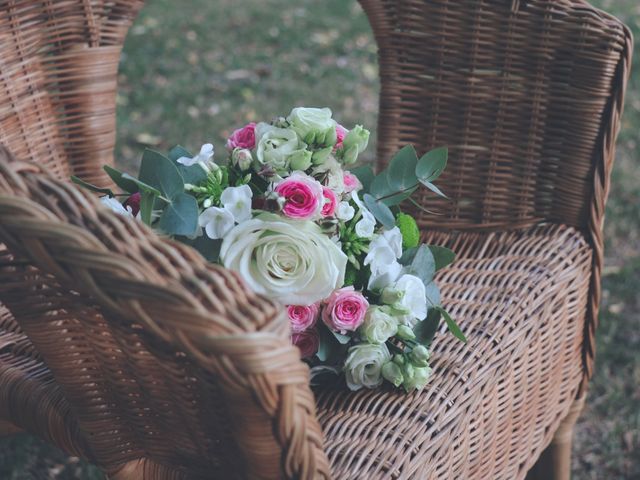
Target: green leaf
452	325
432	292
433	188
365	175
179	151
159	172
195	174
330	350
147	199
380	211
181	216
402	169
427	328
142	187
120	180
431	165
423	265
93	188
442	255
207	247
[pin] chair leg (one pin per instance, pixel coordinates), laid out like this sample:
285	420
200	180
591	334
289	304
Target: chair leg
7	428
555	461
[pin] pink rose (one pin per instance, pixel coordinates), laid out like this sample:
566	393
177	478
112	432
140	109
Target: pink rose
345	310
330	202
351	182
308	342
134	202
341	132
302	317
244	137
303	197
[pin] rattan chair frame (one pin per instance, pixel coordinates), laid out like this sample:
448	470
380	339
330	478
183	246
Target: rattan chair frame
172	369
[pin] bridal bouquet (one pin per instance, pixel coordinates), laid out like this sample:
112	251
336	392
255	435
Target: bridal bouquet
289	213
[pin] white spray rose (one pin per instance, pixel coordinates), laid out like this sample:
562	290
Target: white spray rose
378	325
275	146
412	297
313	125
292	261
363	367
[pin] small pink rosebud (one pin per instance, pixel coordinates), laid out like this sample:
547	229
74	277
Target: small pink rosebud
344	310
351	182
341	132
302	194
302	317
330	202
244	137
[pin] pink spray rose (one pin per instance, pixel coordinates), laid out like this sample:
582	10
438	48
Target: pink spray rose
303	197
344	310
244	137
351	182
302	317
341	132
308	342
330	202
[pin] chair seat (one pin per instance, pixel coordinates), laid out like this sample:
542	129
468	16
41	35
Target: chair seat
493	404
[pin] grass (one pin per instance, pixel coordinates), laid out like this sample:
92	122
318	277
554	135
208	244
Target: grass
192	73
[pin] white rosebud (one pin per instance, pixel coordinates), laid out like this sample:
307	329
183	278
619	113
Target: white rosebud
241	157
378	326
217	222
237	201
363	366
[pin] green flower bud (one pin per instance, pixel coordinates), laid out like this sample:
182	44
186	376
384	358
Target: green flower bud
350	276
300	160
420	356
417	380
405	333
350	155
320	156
409	229
392	373
399	359
357	137
391	296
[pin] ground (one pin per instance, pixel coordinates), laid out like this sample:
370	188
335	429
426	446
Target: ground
191	73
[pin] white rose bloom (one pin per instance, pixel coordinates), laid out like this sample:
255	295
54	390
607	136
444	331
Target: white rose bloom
275	146
363	366
216	222
378	325
291	261
237	201
345	212
312	122
204	158
114	205
413	301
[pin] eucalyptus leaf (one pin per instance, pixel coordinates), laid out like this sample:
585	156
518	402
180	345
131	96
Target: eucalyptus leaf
365	175
380	211
402	169
121	180
433	188
408	256
178	152
181	216
442	255
330	349
142	187
452	325
342	339
423	265
207	247
433	294
432	164
93	188
195	174
161	173
427	328
147	199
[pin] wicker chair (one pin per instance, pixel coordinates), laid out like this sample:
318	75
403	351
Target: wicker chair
132	352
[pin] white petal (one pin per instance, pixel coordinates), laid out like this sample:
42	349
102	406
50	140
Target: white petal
216	222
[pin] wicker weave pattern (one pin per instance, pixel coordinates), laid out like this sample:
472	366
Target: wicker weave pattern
58	68
528	96
171	346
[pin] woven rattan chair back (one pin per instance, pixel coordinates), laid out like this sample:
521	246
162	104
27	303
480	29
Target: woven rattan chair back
526	94
172	367
58	70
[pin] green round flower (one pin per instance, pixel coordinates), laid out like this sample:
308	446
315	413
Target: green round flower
409	229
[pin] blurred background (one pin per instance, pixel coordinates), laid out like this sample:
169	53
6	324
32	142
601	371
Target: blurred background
193	71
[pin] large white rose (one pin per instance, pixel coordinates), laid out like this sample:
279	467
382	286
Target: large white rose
275	146
363	367
292	261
